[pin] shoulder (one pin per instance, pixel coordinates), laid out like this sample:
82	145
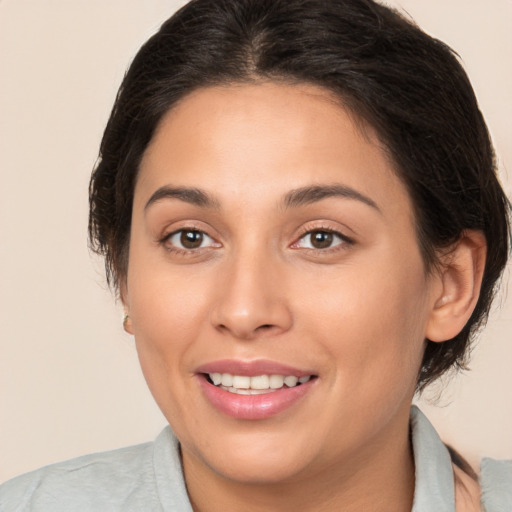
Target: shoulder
85	483
441	468
496	482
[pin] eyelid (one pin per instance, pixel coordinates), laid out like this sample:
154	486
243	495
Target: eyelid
179	231
165	238
309	229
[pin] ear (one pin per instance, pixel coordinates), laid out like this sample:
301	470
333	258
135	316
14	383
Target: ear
460	274
127	323
123	296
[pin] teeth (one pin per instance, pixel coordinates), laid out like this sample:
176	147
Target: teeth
241	382
260	391
248	391
227	379
245	385
216	378
276	381
291	381
240	391
260	382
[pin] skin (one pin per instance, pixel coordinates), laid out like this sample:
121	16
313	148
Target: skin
355	314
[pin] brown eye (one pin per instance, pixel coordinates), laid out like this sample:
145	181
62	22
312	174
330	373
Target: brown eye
321	239
191	239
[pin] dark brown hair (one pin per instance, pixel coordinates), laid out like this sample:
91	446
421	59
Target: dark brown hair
409	86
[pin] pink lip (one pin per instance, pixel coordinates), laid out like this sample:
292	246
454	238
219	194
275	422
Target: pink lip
252	407
252	368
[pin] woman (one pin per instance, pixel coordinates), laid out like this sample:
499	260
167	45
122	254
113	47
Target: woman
298	206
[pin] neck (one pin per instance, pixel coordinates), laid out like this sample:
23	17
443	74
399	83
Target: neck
380	478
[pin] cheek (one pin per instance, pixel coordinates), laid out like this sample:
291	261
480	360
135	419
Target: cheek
372	319
168	313
164	300
167	322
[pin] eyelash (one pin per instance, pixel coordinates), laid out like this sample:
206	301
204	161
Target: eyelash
343	245
164	241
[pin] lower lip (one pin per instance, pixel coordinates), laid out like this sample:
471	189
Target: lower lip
254	407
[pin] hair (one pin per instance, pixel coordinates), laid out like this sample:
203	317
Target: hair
383	69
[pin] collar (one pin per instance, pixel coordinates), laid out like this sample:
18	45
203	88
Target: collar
434	486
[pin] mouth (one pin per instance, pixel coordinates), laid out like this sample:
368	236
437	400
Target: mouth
254	390
255	385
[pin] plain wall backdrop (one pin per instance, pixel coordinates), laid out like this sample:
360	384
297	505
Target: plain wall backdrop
69	377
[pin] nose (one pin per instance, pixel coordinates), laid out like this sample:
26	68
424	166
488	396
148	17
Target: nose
251	299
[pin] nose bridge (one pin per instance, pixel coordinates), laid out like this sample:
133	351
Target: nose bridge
251	298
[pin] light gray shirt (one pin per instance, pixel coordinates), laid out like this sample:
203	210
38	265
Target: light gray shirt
149	478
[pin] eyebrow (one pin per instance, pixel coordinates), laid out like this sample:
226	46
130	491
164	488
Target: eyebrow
314	193
192	195
293	199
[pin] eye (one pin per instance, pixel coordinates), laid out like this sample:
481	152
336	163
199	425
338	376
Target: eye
190	239
320	239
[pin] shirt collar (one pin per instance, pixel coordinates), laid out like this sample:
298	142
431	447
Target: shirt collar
434	485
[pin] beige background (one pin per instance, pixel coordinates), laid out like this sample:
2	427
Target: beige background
69	378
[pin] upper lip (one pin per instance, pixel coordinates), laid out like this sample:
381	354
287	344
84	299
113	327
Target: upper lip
252	368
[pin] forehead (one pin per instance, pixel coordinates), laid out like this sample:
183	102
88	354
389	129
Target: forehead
260	139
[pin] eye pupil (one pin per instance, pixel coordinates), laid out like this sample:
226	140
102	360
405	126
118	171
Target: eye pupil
191	239
321	239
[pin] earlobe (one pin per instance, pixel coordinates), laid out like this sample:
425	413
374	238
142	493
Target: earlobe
460	275
127	323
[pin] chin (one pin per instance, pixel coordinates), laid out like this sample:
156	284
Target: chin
261	459
259	470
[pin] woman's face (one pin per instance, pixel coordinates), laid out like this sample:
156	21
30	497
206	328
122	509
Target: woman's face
271	239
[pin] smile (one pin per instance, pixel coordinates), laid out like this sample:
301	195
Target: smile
256	385
254	390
